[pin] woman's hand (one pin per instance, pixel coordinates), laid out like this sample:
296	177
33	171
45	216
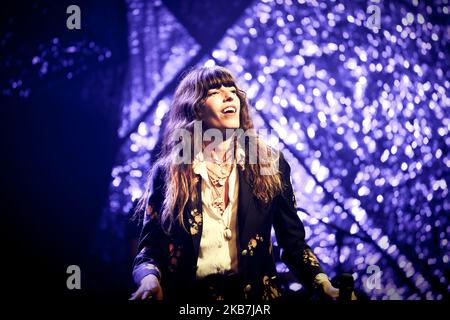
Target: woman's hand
148	289
332	292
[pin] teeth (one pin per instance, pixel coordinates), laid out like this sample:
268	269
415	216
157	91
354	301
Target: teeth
229	109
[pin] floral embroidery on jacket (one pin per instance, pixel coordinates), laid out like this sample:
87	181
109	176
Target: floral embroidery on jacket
270	288
310	258
195	221
174	255
252	245
247	290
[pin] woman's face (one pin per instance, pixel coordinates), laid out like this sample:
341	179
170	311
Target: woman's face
222	108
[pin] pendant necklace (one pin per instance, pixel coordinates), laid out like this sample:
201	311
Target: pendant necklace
218	174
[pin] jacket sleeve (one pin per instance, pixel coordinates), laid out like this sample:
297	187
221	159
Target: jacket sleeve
153	242
290	233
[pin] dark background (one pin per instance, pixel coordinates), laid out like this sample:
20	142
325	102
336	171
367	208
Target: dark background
57	146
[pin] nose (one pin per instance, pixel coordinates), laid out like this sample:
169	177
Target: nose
227	96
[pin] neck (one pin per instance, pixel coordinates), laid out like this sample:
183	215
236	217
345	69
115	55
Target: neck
218	151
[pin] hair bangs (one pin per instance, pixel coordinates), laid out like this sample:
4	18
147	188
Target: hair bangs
214	78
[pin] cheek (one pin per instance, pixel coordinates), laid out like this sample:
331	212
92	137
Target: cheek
212	109
210	115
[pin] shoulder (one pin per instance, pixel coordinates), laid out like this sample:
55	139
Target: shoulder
159	173
283	165
157	182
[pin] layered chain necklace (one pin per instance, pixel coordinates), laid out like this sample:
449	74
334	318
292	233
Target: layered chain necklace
218	173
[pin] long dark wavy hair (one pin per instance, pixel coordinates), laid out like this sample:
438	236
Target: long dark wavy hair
180	180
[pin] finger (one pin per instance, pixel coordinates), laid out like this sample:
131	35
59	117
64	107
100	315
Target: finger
146	295
137	294
334	293
133	296
354	296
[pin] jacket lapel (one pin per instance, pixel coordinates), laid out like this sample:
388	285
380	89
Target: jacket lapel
195	220
245	195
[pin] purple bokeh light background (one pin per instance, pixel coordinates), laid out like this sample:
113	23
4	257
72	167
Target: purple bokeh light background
356	94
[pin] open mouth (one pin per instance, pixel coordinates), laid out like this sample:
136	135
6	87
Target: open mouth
229	110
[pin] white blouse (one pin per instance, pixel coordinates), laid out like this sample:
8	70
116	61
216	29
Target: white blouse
216	253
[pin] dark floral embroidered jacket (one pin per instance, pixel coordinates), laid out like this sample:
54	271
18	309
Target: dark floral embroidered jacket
173	258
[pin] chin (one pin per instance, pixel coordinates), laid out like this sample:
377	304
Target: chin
236	126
